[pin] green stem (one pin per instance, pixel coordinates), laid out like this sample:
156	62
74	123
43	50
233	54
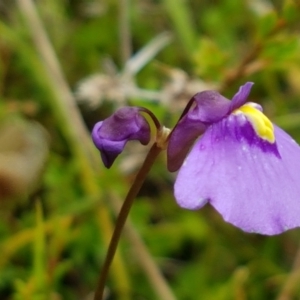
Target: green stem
132	193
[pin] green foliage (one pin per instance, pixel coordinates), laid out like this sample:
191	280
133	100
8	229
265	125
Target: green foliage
53	244
181	17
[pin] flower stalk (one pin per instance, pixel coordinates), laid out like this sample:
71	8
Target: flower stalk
132	193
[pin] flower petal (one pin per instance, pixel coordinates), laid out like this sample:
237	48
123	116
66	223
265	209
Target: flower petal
181	140
240	98
252	183
209	107
111	135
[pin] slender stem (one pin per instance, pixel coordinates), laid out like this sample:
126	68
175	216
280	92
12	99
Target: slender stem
250	57
139	180
146	261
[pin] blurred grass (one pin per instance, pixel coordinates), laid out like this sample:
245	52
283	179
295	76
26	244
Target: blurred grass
54	249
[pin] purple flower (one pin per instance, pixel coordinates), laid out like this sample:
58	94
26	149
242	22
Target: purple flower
111	135
240	163
244	166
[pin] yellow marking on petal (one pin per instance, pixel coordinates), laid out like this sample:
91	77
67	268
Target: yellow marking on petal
261	124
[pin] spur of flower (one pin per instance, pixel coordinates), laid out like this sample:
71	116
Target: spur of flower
230	155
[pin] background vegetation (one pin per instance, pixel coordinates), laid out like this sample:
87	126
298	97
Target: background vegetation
58	202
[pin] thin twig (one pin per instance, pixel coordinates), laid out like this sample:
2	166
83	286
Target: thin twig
249	58
237	73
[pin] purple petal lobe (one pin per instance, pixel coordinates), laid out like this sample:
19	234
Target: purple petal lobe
240	98
209	107
111	135
253	184
181	139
